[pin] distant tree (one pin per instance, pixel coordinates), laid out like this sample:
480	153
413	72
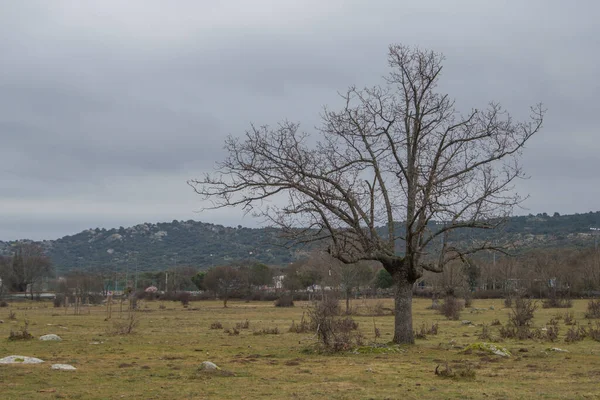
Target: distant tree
198	280
223	280
29	266
383	279
353	276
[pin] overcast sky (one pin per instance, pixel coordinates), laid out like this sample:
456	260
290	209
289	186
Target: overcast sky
107	107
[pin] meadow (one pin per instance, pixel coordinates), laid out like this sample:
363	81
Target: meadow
161	357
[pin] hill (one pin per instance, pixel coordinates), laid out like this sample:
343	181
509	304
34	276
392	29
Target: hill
158	246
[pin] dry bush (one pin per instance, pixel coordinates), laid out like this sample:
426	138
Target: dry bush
333	333
451	308
3	304
426	330
523	312
557	300
284	301
594	331
267	331
593	309
21	333
485	333
12	315
576	334
184	298
216	325
127	326
519	320
551	333
462	371
569	318
162	307
508	302
58	300
495	322
232	332
243	325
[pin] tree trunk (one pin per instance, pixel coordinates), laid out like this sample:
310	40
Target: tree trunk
347	301
403	327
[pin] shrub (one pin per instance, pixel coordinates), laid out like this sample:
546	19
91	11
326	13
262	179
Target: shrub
569	318
557	299
22	333
594	331
268	331
126	327
551	333
243	325
232	332
184	298
463	371
451	308
216	325
302	327
593	309
12	315
508	302
333	333
162	306
424	330
575	334
485	333
495	322
284	300
3	304
523	312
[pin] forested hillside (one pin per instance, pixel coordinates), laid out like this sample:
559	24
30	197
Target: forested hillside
157	246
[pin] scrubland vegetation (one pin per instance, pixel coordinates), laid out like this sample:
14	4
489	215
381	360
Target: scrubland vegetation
274	352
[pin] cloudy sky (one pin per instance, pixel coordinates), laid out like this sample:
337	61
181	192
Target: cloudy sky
107	107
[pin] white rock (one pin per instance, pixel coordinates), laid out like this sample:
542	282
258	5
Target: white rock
558	350
466	322
63	367
51	337
20	360
208	366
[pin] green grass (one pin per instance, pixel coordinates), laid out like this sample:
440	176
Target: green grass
160	360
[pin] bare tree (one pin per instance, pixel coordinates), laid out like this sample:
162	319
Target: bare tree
397	152
29	266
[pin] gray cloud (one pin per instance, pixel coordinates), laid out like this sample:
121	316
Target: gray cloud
108	107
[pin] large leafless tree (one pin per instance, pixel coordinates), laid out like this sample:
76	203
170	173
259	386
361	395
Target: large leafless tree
398	156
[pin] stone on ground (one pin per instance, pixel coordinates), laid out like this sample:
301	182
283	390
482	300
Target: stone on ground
51	337
208	366
63	367
20	360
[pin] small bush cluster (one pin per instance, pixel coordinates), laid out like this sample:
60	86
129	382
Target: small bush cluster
21	334
593	309
126	327
334	334
464	371
451	308
426	330
232	331
594	331
268	331
576	334
242	325
519	320
3	304
216	325
284	301
12	315
569	318
302	327
557	299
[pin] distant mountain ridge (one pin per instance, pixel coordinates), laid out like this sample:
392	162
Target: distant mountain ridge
158	246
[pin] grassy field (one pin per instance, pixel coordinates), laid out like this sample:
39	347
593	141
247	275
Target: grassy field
160	359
